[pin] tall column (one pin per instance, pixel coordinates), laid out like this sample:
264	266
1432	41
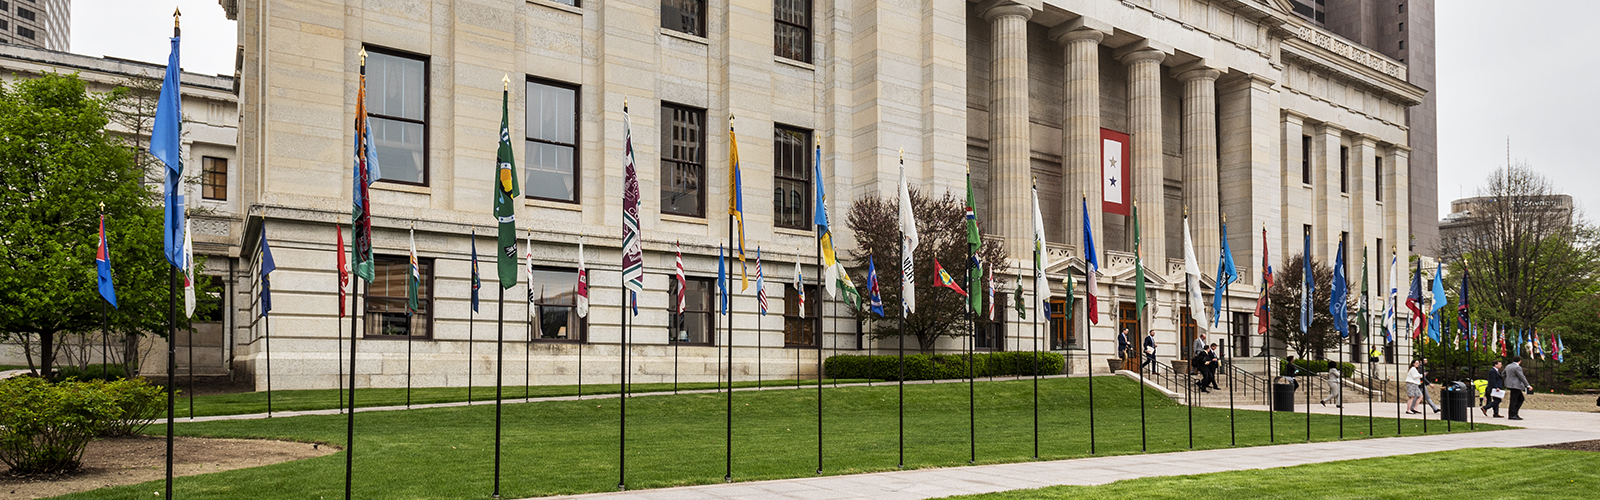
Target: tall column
1144	125
1330	204
1364	222
1010	177
1080	139
1200	162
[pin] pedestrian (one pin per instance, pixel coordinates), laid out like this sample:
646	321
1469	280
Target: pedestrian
1518	384
1149	351
1496	390
1413	386
1290	371
1196	349
1427	397
1335	388
1208	370
1124	346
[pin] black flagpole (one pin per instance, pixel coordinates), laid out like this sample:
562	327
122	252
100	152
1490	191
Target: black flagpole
172	356
1088	336
499	380
622	392
527	346
350	415
1308	403
1189	403
759	317
822	302
338	333
1233	432
679	319
727	474
902	343
972	340
1339	397
191	360
472	317
267	340
1040	300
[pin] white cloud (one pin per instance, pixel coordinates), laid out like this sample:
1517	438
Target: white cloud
138	30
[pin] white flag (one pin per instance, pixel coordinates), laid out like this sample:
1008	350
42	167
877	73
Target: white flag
583	284
1191	273
908	245
1041	285
188	271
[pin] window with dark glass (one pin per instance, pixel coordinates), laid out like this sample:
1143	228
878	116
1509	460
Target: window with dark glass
696	325
1063	333
792	31
213	178
683	157
4	24
5	5
1305	159
552	141
25	14
386	299
1190	330
791	192
24	32
1377	178
800	330
1344	169
397	110
1240	343
992	334
553	294
687	16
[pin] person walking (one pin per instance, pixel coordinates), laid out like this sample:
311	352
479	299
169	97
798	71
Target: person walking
1124	346
1427	397
1208	369
1413	386
1335	388
1149	352
1517	383
1196	350
1494	391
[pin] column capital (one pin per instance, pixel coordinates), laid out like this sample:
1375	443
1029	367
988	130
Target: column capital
1141	53
1330	128
1001	8
1082	28
1196	71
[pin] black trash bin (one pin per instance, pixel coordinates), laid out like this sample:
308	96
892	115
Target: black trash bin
1457	398
1283	394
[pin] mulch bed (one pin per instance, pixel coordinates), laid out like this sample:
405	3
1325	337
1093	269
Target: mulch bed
1592	445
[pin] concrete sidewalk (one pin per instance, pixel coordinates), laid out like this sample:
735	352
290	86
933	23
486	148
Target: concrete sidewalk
1540	427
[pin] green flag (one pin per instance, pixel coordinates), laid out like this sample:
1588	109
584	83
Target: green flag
1138	265
1068	307
505	197
974	242
1022	306
413	276
1363	314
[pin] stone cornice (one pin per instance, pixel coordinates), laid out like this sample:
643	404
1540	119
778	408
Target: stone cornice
1318	58
1347	49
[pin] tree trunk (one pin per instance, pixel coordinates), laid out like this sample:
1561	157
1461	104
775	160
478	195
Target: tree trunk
46	353
130	355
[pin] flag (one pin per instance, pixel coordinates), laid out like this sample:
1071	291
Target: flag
102	264
799	288
583	284
761	282
990	298
505	197
874	299
852	296
414	275
344	271
477	283
1091	268
1021	305
908	246
1227	273
1263	308
1067	312
188	272
1462	312
974	244
1439	298
1366	329
1561	347
1338	303
1138	266
1191	275
364	171
945	280
632	251
722	280
683	283
1391	315
832	278
528	268
166	144
266	269
1041	284
1414	301
1307	281
736	201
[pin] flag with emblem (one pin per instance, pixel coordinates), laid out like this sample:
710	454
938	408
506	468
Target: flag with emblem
414	276
102	264
505	197
874	299
632	249
945	280
583	285
736	203
974	244
363	173
166	144
761	284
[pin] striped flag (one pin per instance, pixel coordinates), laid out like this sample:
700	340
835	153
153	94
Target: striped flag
413	277
632	250
506	197
1263	308
583	284
683	283
736	202
528	268
102	264
1091	263
800	288
761	284
990	298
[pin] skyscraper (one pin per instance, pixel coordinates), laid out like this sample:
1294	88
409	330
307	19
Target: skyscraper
45	24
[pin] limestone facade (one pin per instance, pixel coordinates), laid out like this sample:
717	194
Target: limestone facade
1223	101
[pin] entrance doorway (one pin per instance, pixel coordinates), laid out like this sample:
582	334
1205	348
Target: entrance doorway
1128	319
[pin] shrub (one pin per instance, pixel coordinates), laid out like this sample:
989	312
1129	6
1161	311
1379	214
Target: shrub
942	366
1318	367
45	427
107	373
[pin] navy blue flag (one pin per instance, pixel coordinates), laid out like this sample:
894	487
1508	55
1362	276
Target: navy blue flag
1338	305
267	267
476	283
1307	282
166	136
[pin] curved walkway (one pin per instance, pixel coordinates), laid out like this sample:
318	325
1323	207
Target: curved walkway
1540	427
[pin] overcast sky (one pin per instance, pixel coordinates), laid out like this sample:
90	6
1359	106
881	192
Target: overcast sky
1520	70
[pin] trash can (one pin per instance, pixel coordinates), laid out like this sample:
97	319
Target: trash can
1283	394
1456	398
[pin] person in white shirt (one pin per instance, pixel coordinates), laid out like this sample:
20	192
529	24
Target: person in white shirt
1414	386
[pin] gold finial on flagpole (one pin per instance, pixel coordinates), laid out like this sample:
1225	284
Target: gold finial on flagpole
505	81
363	56
175	15
902	155
1224	217
102	207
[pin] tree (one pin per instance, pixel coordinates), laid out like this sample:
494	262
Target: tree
941	226
1529	252
57	165
1285	295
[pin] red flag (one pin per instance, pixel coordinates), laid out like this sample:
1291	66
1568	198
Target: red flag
943	279
1263	310
344	269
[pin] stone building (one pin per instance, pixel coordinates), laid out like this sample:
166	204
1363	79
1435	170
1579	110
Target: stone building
1223	108
42	24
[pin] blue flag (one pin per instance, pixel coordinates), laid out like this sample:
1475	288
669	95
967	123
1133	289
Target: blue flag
1226	273
267	267
1339	305
722	279
166	136
874	300
1307	282
102	264
476	283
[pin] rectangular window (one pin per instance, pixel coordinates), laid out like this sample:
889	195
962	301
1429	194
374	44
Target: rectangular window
1344	238
552	141
791	193
687	16
697	324
1190	330
1240	343
5	25
397	110
213	178
1402	7
1305	159
992	334
1402	45
573	3
24	32
1128	319
1344	169
1402	26
683	157
1307	229
800	331
1063	333
386	299
1377	178
25	14
553	293
5	5
792	31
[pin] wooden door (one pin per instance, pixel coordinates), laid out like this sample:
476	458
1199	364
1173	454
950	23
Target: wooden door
1128	319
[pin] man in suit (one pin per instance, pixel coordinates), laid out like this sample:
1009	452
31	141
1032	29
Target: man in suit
1496	382
1149	352
1196	349
1124	346
1517	383
1208	362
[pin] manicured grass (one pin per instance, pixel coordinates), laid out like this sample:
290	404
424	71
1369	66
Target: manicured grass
326	399
571	446
1470	473
14	367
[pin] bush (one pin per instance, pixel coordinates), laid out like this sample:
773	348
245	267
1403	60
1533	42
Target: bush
107	373
942	366
45	427
1317	367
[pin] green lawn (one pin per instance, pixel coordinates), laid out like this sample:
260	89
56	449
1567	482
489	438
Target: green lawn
326	399
1471	473
571	446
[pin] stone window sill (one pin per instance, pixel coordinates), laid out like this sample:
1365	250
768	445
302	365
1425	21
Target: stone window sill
557	6
683	36
551	204
791	62
402	188
684	219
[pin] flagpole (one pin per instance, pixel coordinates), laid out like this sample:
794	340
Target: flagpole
356	254
350	415
1088	335
902	353
472	315
499	377
105	315
822	303
191	354
1144	443
338	326
172	313
622	386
